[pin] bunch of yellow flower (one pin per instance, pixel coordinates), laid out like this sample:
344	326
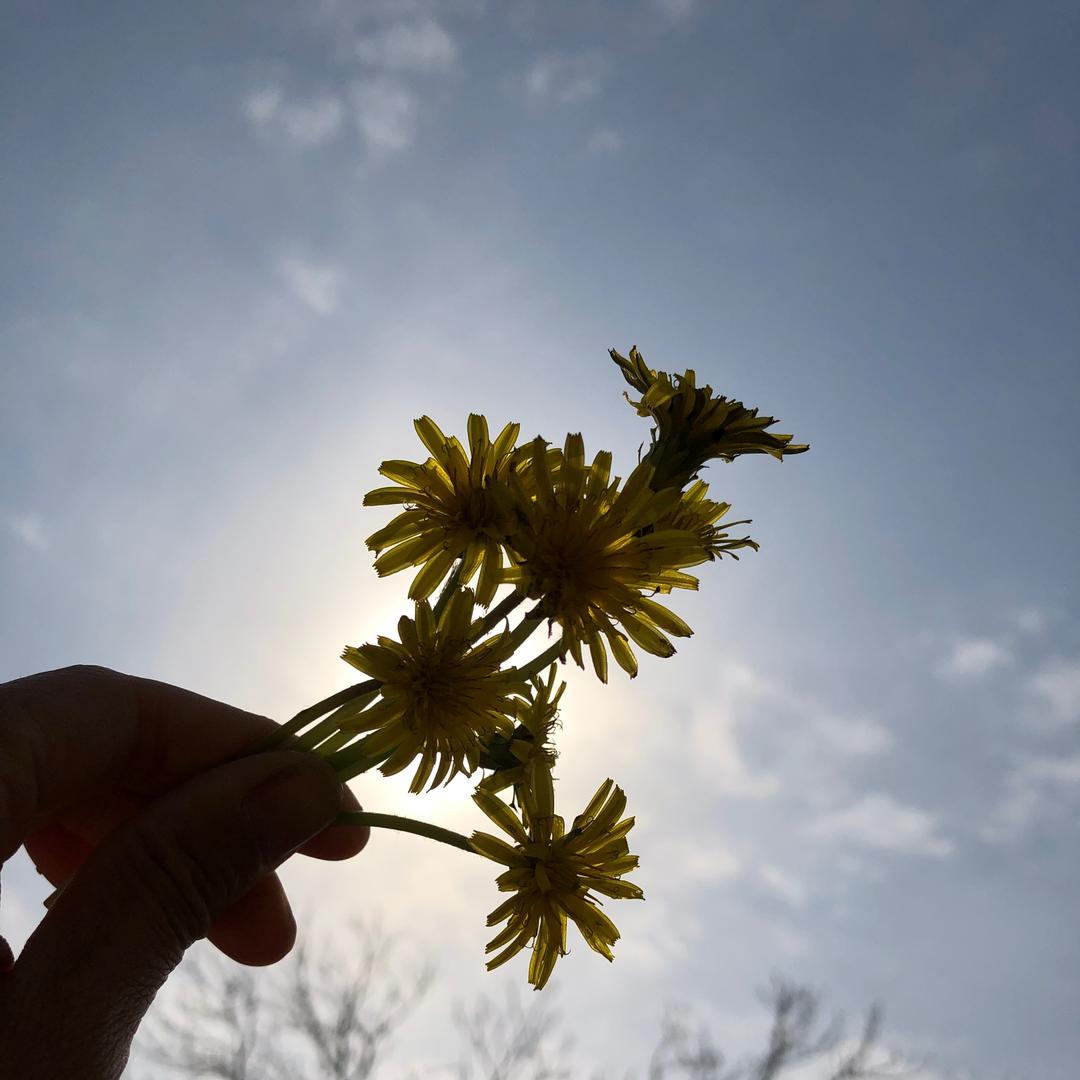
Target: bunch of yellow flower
589	553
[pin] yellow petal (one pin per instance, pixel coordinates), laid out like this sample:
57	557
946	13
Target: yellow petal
431	437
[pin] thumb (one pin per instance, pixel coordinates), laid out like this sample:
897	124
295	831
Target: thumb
90	971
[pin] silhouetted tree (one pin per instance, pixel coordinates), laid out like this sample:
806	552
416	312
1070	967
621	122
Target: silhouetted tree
330	1016
797	1036
512	1041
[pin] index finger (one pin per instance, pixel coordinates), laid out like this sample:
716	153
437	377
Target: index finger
69	736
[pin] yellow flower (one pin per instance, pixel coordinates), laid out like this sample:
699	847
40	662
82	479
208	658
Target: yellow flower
589	551
517	758
457	505
553	875
692	426
701	516
441	697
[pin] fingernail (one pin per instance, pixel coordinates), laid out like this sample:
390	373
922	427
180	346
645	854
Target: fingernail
291	806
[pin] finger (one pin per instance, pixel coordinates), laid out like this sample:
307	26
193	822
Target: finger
339	841
92	823
144	895
258	928
57	853
66	736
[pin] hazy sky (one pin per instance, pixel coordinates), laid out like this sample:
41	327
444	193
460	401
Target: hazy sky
246	243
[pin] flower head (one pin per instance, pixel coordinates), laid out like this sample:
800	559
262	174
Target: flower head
590	551
457	506
442	697
701	516
515	759
553	875
692	426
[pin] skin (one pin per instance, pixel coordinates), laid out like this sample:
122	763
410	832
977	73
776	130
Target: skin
133	797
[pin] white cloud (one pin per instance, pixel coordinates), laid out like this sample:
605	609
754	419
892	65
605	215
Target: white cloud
303	124
971	658
260	106
385	113
783	885
29	530
706	865
1031	620
676	10
312	124
716	754
1057	687
880	822
1039	788
316	285
853	736
605	141
421	46
566	79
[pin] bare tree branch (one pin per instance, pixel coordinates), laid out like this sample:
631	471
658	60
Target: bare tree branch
335	1007
512	1041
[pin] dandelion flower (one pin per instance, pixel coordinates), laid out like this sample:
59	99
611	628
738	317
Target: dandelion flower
692	426
553	875
442	697
589	552
516	758
701	516
457	506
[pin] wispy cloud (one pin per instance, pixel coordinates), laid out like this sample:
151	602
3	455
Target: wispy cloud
423	46
676	10
1040	788
385	112
878	821
1056	687
261	106
302	124
316	285
29	530
853	736
717	756
566	78
1031	620
705	865
972	658
604	141
781	884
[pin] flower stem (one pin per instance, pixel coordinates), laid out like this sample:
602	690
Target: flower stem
404	824
495	615
331	724
536	665
524	629
448	589
354	759
314	712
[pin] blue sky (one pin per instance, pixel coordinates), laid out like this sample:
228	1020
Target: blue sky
246	244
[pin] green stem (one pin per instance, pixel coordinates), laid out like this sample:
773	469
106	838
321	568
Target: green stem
536	665
495	615
448	589
330	724
404	824
314	712
334	743
354	759
525	629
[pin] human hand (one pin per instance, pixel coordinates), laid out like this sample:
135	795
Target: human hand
137	786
